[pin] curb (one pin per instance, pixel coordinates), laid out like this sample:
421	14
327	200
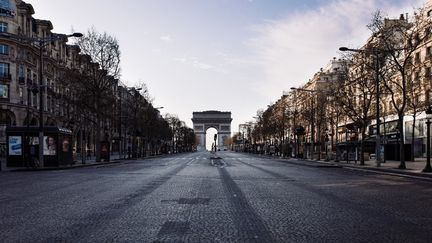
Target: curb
392	172
66	167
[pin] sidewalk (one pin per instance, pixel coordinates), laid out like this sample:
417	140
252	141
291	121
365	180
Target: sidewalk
413	168
90	161
390	167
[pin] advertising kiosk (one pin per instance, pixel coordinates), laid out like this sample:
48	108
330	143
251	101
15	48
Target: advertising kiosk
23	145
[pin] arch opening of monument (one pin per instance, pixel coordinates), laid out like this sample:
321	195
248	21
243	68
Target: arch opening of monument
210	132
219	120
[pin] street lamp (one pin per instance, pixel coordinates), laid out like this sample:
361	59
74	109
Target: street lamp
428	167
313	117
42	43
122	144
326	140
377	67
149	134
294	133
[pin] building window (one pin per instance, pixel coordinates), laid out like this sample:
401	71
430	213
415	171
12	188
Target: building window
4	69
3	27
21	73
417	80
35	100
4	49
427	72
21	95
417	57
4	91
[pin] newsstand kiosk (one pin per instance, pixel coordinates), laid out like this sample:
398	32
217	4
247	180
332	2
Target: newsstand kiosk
23	144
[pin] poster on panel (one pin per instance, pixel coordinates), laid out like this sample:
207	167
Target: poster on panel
50	146
15	145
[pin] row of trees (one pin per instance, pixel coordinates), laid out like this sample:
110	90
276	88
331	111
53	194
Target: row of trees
392	58
97	101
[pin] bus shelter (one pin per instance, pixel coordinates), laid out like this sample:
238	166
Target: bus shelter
23	145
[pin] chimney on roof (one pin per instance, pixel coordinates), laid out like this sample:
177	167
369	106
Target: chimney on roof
401	17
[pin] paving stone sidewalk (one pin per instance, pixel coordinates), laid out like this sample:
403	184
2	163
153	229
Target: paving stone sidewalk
90	161
389	167
413	168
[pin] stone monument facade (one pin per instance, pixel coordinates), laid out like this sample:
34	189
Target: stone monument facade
219	120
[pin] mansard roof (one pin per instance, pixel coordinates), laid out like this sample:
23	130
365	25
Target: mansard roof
47	23
25	6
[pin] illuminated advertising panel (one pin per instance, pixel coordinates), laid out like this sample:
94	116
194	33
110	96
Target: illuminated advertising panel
15	145
4	93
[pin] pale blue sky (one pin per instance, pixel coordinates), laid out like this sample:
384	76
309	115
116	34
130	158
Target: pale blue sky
228	55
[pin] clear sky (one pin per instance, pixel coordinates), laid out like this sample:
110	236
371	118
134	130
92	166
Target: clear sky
227	55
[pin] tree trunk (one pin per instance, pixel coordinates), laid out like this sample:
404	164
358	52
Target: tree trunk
98	140
320	141
413	137
402	142
363	132
83	150
134	144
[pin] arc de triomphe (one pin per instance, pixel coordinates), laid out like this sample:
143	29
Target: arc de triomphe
219	120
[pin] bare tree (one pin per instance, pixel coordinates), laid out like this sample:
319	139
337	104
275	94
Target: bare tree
98	78
103	49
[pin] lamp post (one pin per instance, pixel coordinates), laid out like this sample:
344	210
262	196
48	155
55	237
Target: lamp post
282	147
326	140
147	129
377	94
313	117
134	94
428	167
42	43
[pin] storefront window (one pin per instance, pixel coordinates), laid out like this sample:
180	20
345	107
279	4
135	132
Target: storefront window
419	130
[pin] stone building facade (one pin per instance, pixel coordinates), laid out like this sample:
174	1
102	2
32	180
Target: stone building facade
20	72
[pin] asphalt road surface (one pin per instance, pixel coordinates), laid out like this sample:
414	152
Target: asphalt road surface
192	198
